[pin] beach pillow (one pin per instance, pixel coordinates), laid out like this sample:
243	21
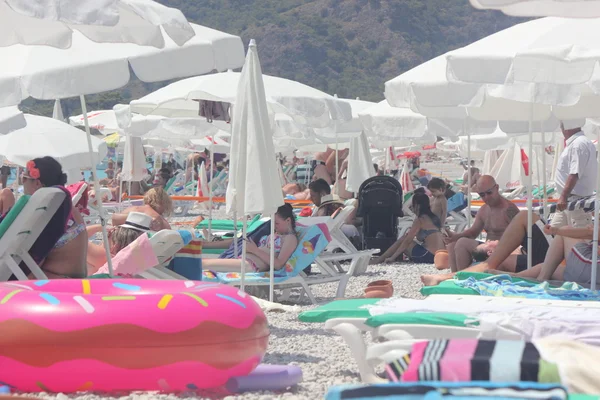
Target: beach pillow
134	259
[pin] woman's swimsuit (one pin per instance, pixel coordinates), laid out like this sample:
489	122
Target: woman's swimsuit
419	253
265	242
73	230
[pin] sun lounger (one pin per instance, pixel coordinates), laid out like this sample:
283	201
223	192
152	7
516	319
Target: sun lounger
165	244
20	229
227	225
312	241
409	320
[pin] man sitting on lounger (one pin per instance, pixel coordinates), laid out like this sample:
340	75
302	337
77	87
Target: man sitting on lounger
493	217
509	254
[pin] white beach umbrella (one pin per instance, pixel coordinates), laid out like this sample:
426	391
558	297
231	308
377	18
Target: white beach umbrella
253	182
305	104
52	22
360	163
11	118
213	143
381	119
88	67
104	121
48	73
542	8
57	112
45	136
134	160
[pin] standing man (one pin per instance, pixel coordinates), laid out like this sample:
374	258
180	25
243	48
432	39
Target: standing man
575	175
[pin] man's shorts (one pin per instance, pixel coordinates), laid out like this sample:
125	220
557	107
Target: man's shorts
540	248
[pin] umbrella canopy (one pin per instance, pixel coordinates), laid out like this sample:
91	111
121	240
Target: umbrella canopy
305	104
52	22
11	118
543	8
213	143
360	163
88	67
104	121
249	192
383	120
49	137
346	129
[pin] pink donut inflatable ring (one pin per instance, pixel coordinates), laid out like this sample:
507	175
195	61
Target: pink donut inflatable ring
106	335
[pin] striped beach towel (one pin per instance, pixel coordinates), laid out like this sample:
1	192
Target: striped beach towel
188	261
464	360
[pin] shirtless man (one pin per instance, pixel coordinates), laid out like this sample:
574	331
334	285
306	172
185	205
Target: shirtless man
493	217
319	166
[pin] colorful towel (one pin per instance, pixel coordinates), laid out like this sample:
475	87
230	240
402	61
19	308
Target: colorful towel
506	286
439	390
188	261
464	360
137	257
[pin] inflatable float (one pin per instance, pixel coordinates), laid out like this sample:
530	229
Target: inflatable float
126	335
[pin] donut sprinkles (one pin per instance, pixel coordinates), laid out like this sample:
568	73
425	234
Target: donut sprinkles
127	335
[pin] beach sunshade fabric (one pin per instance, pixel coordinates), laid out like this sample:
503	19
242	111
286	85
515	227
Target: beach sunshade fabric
11	118
305	104
360	163
49	137
52	22
253	182
543	8
557	54
88	67
383	120
346	129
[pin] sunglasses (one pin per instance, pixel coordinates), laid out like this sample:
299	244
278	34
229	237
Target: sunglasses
487	192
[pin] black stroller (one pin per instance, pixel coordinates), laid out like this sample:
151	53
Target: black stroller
380	206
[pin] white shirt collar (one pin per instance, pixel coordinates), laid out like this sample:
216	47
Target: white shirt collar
572	138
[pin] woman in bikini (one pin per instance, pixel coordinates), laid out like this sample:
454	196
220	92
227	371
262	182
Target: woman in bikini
258	256
426	229
66	259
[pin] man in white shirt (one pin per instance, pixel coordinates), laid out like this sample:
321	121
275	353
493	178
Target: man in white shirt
575	175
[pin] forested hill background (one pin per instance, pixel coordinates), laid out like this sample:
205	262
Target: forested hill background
347	47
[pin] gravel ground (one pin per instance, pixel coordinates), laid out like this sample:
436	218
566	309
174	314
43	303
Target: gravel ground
324	358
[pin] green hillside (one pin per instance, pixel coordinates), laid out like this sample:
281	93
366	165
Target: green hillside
348	47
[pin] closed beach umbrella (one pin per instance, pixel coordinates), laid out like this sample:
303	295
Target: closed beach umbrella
253	181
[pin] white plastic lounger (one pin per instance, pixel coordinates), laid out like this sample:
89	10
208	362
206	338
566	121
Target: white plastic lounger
25	229
367	357
165	244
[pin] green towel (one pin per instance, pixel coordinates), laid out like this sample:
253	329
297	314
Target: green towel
227	224
12	214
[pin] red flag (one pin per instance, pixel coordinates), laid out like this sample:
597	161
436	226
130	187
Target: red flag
525	162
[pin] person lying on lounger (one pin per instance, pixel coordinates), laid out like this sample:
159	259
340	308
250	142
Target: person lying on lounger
157	204
426	229
509	254
119	237
258	256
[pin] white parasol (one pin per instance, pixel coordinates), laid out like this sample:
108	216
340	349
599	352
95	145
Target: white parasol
253	182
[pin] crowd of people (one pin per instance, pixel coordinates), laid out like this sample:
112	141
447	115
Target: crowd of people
560	251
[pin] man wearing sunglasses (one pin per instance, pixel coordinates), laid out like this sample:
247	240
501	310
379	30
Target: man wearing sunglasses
575	175
493	217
